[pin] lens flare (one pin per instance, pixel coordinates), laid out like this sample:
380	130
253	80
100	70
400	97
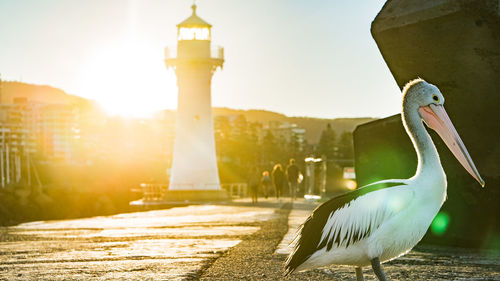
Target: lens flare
351	184
440	223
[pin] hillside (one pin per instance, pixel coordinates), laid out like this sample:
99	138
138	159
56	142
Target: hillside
313	126
37	93
252	115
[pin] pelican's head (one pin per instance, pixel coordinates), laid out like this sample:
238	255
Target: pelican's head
419	93
428	101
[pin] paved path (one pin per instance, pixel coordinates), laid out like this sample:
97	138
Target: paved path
158	245
225	242
422	263
299	213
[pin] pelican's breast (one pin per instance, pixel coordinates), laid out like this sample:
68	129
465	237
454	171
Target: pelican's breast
402	232
345	222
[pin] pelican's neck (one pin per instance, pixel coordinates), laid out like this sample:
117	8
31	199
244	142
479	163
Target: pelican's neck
428	157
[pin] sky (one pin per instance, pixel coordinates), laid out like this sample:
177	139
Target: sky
301	58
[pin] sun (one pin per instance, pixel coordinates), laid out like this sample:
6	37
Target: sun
128	79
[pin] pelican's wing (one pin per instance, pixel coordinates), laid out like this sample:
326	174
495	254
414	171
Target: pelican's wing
348	218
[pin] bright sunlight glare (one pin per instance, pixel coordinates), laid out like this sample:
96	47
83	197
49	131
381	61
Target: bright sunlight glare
350	184
129	79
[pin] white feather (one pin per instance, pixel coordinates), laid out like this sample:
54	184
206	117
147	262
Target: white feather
368	210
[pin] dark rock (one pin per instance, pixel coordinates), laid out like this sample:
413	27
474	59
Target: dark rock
456	46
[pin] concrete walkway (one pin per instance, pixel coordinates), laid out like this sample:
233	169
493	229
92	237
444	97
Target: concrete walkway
158	245
424	262
299	213
236	241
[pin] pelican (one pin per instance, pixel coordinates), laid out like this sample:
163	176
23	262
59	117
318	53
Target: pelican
386	219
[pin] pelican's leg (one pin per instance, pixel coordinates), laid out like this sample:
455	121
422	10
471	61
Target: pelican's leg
359	274
378	270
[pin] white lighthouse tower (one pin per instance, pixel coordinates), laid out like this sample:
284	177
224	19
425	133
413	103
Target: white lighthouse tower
194	168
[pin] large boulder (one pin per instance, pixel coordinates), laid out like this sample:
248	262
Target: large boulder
456	46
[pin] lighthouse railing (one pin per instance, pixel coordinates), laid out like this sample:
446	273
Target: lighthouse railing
216	52
153	192
156	192
236	190
170	52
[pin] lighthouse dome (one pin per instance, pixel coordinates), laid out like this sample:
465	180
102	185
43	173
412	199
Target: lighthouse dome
194	20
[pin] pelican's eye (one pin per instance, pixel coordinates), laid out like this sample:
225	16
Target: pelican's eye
435	98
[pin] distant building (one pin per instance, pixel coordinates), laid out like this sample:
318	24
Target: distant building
27	128
290	133
16	141
57	131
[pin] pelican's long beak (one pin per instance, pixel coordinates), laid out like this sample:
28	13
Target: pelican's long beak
435	117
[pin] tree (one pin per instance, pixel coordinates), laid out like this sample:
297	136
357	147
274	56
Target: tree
327	143
346	146
269	149
223	130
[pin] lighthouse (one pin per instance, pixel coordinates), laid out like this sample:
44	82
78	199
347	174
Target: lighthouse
194	171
